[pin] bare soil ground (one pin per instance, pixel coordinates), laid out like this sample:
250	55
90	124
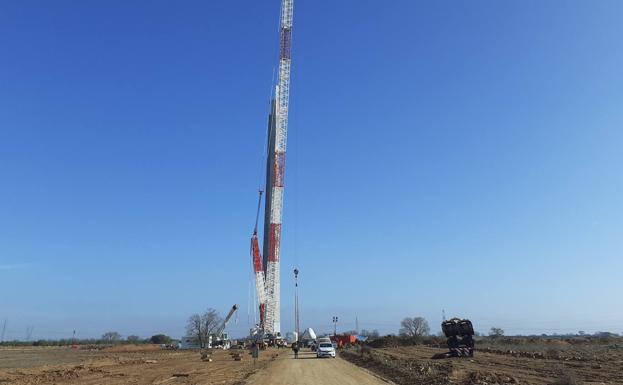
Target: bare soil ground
402	365
309	370
413	365
135	366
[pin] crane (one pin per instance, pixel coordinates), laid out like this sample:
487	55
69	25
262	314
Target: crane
258	268
267	267
220	338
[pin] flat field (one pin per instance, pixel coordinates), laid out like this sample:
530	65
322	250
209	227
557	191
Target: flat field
136	365
413	365
402	365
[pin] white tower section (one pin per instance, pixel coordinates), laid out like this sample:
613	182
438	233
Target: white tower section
277	156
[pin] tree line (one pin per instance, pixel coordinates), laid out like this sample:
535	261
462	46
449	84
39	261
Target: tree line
418	327
108	338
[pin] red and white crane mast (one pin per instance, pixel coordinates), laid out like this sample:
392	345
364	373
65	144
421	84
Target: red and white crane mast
268	272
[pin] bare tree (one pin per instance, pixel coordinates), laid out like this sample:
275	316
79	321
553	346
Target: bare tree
133	339
194	329
211	321
200	327
111	336
414	327
496	332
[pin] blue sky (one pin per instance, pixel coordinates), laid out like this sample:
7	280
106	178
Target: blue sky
457	155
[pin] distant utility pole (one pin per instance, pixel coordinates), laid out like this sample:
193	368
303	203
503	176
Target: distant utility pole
334	326
29	330
3	331
357	324
443	314
296	304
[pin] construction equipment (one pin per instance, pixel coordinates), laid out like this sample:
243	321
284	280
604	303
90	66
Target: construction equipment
258	268
267	267
220	338
460	338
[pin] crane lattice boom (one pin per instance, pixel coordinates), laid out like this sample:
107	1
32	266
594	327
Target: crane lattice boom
267	273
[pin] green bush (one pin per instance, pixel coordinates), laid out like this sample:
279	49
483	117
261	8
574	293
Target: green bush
160	339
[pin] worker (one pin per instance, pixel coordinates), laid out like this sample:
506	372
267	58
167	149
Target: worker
255	351
295	348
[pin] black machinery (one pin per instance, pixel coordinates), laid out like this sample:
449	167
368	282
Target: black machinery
460	334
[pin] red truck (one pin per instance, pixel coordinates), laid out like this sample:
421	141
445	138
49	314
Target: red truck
343	340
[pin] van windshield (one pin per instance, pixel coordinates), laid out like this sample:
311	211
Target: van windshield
326	345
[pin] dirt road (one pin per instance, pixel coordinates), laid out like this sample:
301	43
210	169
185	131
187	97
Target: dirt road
308	370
